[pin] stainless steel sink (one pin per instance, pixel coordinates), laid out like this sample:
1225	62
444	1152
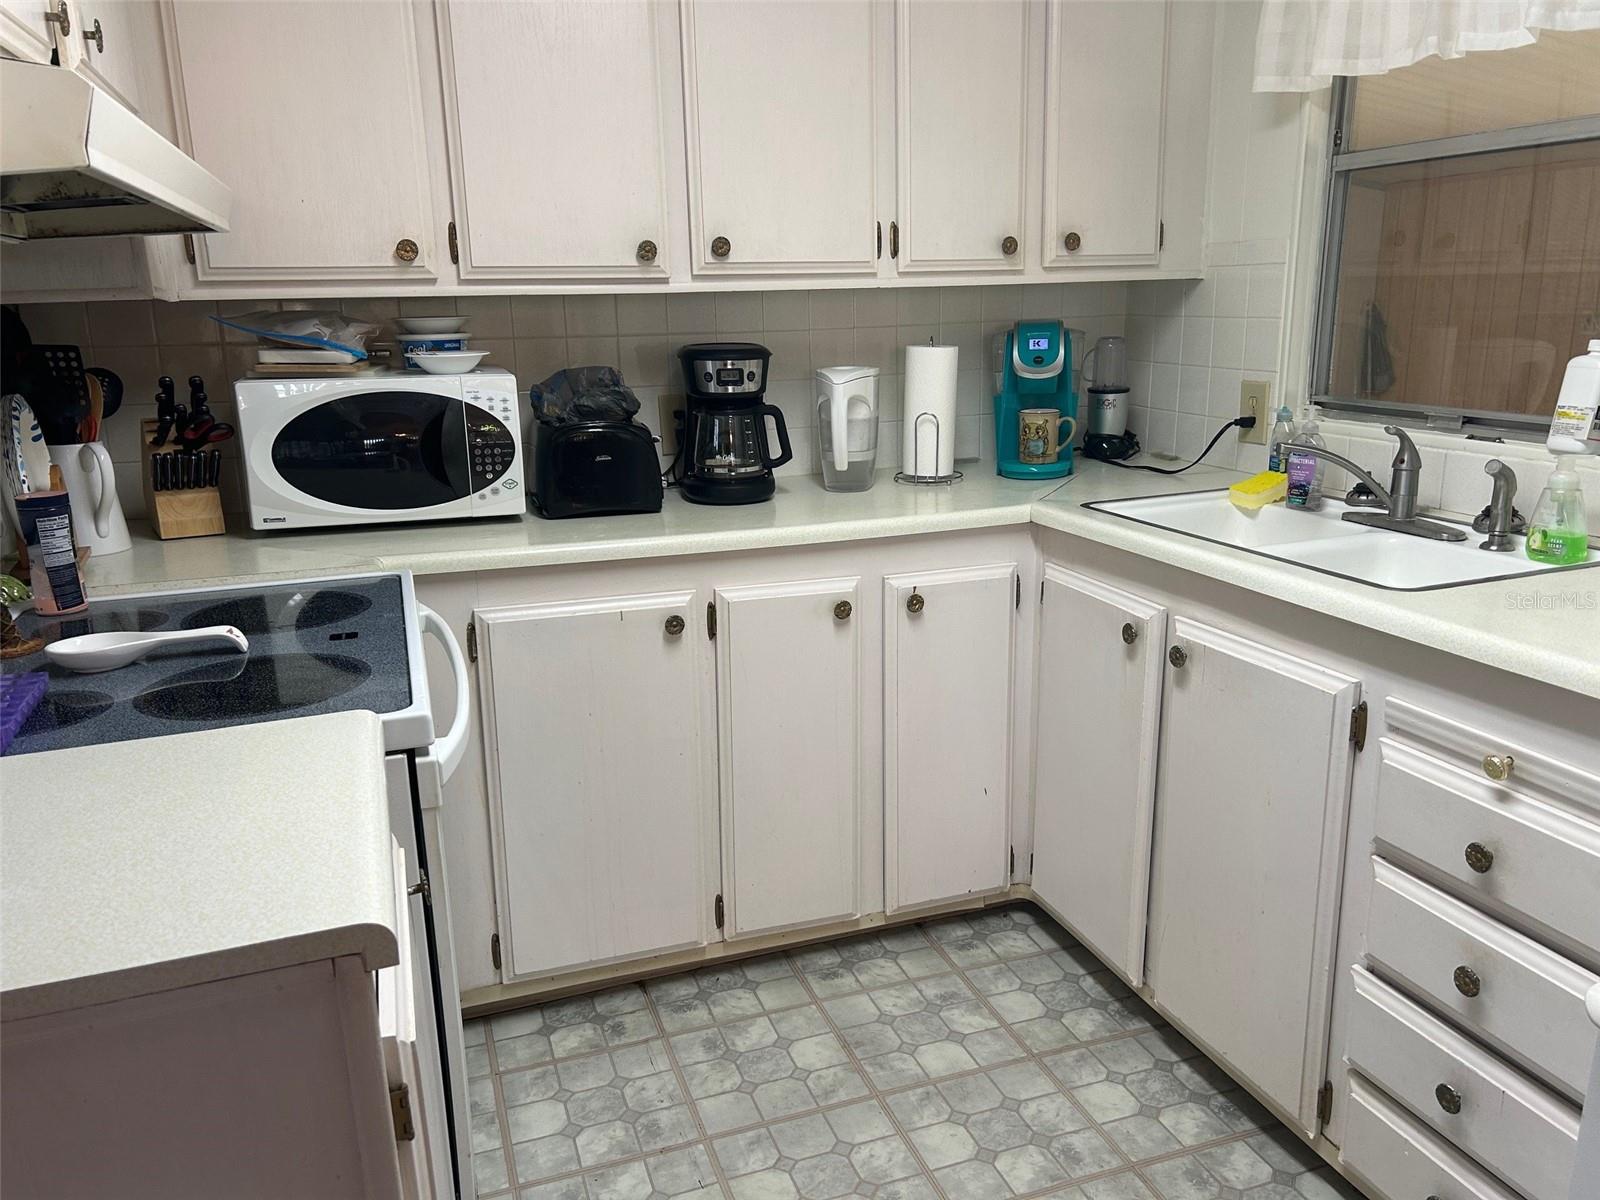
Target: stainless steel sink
1324	542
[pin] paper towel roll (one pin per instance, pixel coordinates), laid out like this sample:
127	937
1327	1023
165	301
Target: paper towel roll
930	387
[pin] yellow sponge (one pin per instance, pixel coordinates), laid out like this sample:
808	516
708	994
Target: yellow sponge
1259	490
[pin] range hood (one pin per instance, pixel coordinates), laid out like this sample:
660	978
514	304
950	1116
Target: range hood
75	162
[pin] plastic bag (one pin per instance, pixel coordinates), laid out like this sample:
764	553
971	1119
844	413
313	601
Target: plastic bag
583	394
323	328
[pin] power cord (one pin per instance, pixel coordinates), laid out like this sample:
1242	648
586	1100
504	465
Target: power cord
1239	422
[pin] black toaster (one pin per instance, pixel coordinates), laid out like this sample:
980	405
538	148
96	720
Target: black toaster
589	468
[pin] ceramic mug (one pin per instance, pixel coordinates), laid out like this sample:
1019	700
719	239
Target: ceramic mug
1039	438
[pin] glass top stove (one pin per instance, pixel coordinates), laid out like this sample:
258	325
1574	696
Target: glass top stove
314	648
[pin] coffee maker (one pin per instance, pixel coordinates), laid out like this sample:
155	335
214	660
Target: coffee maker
1035	373
727	457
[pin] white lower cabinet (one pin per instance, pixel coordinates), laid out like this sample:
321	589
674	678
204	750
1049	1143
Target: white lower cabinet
1385	1147
602	794
947	733
789	715
1252	787
1101	651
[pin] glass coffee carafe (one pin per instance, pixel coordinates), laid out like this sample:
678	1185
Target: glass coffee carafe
732	444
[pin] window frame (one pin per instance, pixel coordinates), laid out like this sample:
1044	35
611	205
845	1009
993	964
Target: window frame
1340	165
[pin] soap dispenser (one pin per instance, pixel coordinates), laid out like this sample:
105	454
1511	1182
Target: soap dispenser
1558	530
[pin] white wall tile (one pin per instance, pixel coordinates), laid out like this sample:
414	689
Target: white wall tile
877	307
1164	387
786	310
835	309
739	310
538	316
917	306
691	311
1227	342
1194	389
1232	291
1261	345
1195	345
641	314
960	304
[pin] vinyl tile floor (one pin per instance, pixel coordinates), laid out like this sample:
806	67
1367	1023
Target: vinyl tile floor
980	1057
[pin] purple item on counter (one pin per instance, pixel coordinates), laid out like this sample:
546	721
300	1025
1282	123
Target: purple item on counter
19	696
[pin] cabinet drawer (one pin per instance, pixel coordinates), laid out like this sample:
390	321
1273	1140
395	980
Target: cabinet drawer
1521	1132
1526	999
1387	1149
1514	854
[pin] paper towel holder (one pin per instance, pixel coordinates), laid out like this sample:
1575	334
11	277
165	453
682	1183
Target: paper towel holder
915	475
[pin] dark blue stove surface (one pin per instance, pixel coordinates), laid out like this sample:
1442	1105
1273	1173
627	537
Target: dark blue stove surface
327	646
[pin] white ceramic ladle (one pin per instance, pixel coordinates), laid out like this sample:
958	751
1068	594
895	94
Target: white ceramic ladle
108	651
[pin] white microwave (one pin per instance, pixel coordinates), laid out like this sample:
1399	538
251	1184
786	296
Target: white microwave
367	449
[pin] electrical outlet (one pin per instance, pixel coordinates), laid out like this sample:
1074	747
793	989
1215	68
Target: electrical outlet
667	409
1254	397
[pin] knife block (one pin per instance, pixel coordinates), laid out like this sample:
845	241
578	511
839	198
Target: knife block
191	512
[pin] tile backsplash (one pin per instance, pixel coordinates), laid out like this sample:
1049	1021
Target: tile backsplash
537	335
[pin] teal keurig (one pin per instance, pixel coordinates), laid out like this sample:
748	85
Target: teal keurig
1035	376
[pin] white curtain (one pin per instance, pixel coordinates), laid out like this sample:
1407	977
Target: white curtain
1302	44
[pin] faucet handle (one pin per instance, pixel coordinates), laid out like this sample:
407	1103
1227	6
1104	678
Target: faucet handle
1405	456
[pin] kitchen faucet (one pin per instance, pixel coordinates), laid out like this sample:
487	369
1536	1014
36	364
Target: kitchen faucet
1501	513
1399	498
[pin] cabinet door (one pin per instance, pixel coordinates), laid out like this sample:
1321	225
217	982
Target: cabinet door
781	120
24	33
129	38
1252	789
947	733
1105	78
1100	660
601	785
579	188
789	719
962	148
312	114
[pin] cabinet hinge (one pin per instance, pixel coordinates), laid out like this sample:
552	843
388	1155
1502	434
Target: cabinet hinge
880	240
711	632
1030	865
894	239
716	910
472	641
400	1112
1013	860
455	248
1325	1102
1358	725
1338	140
1161	237
494	949
188	247
1019	591
1041	591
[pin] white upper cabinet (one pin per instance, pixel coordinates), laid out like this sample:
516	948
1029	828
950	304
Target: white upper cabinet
789	717
24	32
1252	793
312	114
557	135
602	786
947	683
1100	661
782	119
1105	91
962	134
120	38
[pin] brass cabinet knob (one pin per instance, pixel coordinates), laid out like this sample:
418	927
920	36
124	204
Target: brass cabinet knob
1008	245
1479	857
1498	767
96	37
674	625
721	247
842	610
1467	981
1178	656
914	602
406	250
1073	241
1130	634
646	251
1449	1099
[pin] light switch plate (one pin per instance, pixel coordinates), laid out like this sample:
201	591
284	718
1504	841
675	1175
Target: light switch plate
1255	396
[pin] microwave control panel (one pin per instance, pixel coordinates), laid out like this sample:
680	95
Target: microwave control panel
492	438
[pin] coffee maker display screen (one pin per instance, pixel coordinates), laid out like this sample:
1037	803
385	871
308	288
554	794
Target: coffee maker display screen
730	376
1038	343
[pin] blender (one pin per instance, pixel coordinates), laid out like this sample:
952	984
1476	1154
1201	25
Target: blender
1109	438
847	420
729	458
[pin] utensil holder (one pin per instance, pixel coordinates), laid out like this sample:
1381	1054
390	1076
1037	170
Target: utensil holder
185	513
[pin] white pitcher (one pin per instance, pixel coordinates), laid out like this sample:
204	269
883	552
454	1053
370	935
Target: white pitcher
97	520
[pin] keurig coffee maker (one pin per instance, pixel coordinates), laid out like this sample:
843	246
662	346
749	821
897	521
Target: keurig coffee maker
726	453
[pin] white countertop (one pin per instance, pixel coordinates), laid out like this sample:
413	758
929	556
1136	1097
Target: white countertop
136	867
1535	626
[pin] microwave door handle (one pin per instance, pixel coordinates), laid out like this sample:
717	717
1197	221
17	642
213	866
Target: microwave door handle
453	449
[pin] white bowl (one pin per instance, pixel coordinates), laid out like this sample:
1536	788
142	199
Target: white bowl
430	324
448	362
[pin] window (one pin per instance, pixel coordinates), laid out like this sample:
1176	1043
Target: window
1462	258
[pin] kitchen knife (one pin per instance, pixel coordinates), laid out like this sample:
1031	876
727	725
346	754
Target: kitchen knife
214	468
155	472
166	411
